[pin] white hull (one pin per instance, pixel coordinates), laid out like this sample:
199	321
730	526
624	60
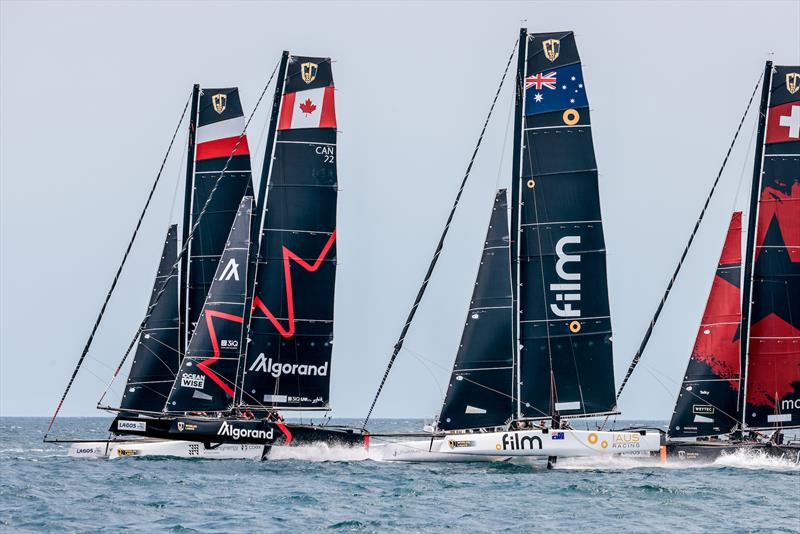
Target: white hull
173	448
501	446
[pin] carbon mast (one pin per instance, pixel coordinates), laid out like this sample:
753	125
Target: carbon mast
752	221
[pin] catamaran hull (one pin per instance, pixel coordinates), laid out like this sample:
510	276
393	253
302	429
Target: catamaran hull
236	431
501	446
710	451
171	448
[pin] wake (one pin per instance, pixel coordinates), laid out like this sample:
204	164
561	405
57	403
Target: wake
741	459
319	452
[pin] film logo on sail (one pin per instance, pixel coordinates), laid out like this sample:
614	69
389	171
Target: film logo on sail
567	292
276	369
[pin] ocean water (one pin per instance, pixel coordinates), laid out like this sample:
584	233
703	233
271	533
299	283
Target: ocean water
341	490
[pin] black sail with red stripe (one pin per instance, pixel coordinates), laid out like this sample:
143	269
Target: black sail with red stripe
220	122
288	362
207	377
773	349
565	360
157	359
707	402
481	391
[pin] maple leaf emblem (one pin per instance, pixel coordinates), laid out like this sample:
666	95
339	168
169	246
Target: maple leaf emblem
308	106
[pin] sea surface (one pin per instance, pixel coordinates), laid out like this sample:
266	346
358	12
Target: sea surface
341	490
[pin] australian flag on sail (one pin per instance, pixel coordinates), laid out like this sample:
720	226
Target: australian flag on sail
555	90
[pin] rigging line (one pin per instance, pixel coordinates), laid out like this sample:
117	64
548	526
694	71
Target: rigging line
118	273
505	143
189	237
671	282
177	184
399	344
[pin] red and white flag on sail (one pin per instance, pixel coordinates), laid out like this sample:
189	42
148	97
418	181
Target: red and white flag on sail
313	108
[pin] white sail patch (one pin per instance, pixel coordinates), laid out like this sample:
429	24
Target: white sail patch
220	130
474	410
702	419
573	405
569	292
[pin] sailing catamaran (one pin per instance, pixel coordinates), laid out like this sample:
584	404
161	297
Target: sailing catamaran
536	347
743	376
240	322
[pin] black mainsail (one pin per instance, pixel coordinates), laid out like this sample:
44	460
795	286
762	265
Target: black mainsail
565	356
157	356
481	390
220	123
207	377
291	327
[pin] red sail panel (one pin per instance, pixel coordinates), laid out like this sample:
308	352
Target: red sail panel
773	365
707	401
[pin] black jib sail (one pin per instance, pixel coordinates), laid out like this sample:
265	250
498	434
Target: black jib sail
707	402
207	377
291	328
481	392
220	124
565	361
157	359
772	308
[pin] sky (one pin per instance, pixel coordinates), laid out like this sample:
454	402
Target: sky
90	94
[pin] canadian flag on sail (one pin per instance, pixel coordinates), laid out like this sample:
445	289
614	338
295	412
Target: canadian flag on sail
313	108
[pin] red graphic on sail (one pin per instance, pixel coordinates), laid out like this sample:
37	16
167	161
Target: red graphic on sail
717	343
774	361
203	366
786	209
288	257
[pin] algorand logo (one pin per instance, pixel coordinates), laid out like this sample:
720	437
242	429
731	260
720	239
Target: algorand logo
276	369
231	431
568	292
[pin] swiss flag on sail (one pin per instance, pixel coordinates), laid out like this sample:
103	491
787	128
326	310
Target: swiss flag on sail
313	108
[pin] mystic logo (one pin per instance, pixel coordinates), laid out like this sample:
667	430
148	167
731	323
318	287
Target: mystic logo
191	380
231	431
132	426
231	271
276	369
570	291
515	443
